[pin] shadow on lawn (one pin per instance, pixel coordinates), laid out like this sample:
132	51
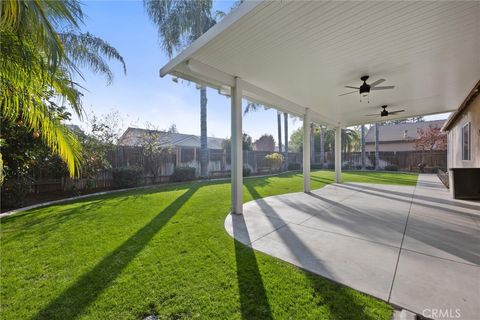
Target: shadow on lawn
75	299
253	298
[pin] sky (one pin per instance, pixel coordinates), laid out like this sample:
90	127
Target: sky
141	96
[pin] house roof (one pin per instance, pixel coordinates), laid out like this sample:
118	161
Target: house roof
400	132
135	137
468	100
299	55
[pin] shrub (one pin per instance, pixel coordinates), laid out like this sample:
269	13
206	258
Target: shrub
246	171
316	166
330	165
14	192
391	167
274	160
183	174
127	177
294	166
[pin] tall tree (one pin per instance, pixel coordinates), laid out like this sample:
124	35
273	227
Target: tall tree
322	144
39	62
363	147
377	147
179	23
279	127
312	142
285	125
265	143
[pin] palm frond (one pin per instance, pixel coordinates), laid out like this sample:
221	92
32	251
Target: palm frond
86	50
179	22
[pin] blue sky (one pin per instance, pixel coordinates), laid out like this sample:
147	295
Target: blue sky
142	96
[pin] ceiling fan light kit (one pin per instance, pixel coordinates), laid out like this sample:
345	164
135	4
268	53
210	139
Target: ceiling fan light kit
364	89
385	112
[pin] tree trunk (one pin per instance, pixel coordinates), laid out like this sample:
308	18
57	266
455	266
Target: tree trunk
285	125
203	133
312	143
363	148
279	123
322	145
377	141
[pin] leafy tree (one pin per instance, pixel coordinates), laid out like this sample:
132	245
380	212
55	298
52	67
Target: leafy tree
172	128
431	138
246	143
179	23
106	128
265	143
154	149
350	139
38	59
27	158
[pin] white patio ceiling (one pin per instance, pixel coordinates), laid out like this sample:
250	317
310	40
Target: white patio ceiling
296	55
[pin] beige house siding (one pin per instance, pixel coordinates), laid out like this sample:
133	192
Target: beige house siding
454	150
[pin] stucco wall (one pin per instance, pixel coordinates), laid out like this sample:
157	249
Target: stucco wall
454	150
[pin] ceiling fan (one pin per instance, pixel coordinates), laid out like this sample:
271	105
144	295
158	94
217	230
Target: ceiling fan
365	88
385	113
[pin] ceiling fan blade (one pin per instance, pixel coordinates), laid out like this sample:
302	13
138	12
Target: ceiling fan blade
382	88
395	112
350	87
343	94
376	83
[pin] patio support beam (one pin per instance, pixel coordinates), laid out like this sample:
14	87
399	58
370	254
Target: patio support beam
236	148
306	151
338	154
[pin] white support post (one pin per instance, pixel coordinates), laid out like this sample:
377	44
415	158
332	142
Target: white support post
236	148
338	155
306	151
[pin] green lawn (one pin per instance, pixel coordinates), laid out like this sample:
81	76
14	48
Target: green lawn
164	251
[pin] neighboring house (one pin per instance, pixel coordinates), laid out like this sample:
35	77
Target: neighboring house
463	132
398	137
186	147
136	137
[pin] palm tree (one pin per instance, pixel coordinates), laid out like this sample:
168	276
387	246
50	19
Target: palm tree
179	23
312	142
377	141
363	147
349	139
322	144
38	62
285	123
279	126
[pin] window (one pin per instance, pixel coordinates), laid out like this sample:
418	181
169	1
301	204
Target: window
466	141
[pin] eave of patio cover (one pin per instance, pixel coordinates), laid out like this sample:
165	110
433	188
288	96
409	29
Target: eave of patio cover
298	55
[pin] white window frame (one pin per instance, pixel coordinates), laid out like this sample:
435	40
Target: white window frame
468	127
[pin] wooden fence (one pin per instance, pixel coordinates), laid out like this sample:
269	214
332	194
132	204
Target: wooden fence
404	160
158	169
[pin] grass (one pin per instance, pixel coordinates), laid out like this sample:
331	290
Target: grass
164	252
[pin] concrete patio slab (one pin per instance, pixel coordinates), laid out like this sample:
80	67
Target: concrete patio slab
412	246
317	251
424	283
